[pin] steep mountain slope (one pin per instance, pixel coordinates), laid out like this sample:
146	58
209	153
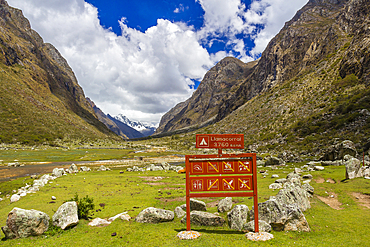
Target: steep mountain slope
310	86
106	120
321	91
40	99
202	108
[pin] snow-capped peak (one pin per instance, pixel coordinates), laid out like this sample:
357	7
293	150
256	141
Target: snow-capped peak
143	128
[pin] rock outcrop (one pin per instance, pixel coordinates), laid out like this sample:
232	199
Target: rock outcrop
66	216
154	215
23	223
204	219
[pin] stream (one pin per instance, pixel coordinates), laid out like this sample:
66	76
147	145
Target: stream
8	173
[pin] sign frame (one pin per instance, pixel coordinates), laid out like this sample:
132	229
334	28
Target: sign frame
204	175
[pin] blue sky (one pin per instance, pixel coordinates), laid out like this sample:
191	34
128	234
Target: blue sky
141	58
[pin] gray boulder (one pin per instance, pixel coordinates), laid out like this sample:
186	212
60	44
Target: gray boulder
225	205
66	216
23	223
154	215
195	205
263	226
73	169
58	172
307	187
307	176
85	169
179	212
293	193
281	217
353	166
275	186
204	219
274	161
103	168
166	166
153	167
338	151
15	198
237	217
281	180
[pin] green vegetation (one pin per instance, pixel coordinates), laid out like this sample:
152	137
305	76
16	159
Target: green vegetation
85	206
115	193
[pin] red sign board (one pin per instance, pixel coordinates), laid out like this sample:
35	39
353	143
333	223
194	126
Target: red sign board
221	175
220	141
234	183
230	164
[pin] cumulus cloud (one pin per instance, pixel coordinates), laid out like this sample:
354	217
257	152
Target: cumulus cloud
144	74
260	21
141	75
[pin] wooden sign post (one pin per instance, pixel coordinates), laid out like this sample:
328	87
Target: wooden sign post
221	175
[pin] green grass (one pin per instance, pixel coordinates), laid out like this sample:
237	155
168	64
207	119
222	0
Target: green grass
131	192
58	155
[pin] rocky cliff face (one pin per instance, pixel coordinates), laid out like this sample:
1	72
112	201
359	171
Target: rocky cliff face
40	98
323	32
202	108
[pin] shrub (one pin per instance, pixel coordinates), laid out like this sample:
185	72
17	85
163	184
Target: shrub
84	205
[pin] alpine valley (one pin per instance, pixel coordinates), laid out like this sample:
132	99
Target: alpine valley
309	88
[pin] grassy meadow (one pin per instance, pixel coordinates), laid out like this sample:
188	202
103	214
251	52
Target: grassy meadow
115	192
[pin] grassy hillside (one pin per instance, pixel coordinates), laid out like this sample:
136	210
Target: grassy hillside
114	192
40	99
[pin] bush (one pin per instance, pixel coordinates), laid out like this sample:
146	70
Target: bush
84	205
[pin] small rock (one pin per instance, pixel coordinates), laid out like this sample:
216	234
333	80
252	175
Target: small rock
307	176
274	176
53	198
188	235
259	236
99	222
114	234
263	226
225	205
275	186
15	198
179	212
319	168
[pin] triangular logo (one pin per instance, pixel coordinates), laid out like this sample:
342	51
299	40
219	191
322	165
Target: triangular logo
203	143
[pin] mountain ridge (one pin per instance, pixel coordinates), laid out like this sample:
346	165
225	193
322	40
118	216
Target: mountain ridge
310	86
40	99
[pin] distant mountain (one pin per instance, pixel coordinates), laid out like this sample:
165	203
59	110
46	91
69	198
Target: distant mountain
40	98
118	127
107	121
129	131
145	129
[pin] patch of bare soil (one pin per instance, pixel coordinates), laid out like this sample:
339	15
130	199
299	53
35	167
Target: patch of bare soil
363	199
212	204
321	180
152	178
331	201
329	180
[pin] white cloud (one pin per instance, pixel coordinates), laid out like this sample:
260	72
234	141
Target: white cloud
141	75
232	18
144	74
